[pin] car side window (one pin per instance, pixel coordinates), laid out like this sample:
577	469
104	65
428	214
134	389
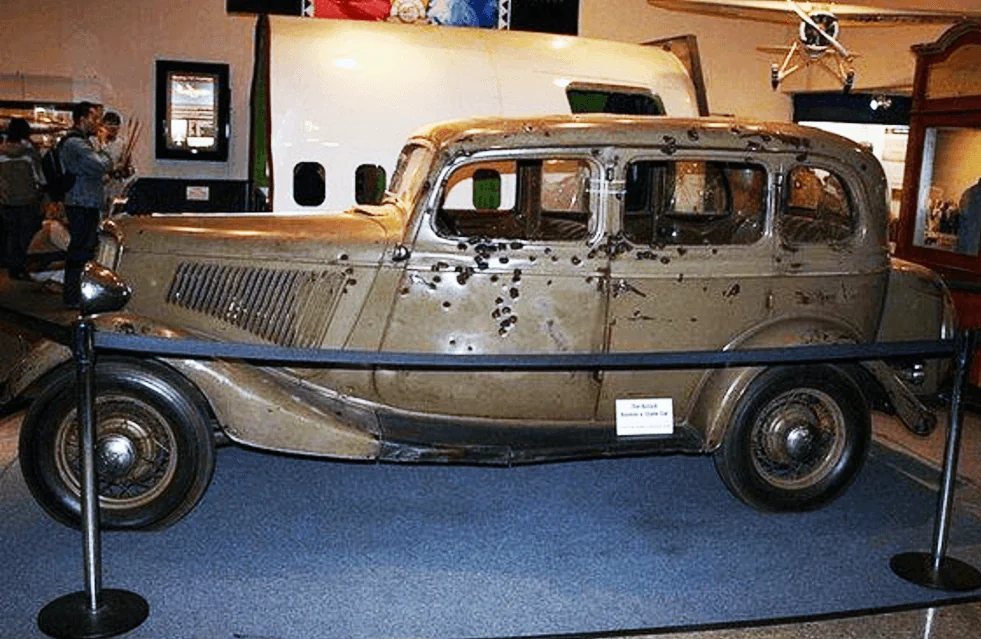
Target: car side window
817	208
694	202
527	199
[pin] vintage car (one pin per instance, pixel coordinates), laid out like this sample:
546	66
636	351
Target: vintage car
564	234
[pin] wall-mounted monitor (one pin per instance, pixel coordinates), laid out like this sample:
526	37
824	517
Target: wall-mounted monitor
192	115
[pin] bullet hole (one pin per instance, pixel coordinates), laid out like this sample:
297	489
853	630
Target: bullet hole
681	277
532	258
496	313
343	257
548	283
693	135
766	137
494	278
499	301
505	260
446	305
732	292
465	273
502	331
452	342
461	246
482	266
753	146
555	258
404	291
517	246
665	260
715	251
506	310
576	261
517	275
802	157
441	266
514	293
591	254
469	349
589	280
548	251
694	319
682	250
636	313
646	255
352	282
670	146
705	289
437	279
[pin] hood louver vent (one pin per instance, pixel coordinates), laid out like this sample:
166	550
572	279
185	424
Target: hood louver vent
286	307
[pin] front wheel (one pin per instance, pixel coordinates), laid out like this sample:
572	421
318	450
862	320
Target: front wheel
798	438
155	453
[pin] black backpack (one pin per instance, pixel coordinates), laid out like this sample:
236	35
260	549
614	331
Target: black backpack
59	181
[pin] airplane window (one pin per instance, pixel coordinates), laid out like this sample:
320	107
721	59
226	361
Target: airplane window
621	101
309	184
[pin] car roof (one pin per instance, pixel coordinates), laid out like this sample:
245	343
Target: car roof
666	133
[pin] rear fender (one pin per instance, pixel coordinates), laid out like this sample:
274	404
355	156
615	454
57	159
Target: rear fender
720	390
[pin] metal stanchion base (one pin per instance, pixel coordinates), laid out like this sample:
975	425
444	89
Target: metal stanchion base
69	617
954	575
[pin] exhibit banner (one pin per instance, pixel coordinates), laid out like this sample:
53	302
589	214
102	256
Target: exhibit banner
550	16
457	13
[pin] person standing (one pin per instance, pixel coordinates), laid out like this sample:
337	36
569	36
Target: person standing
20	195
83	202
969	231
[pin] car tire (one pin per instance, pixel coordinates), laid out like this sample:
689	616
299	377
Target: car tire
155	451
798	438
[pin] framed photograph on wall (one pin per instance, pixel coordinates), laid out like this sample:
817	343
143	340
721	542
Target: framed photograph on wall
192	112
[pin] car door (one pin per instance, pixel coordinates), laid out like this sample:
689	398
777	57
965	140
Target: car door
695	272
502	263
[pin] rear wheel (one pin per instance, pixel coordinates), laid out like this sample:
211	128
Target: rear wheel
798	438
155	453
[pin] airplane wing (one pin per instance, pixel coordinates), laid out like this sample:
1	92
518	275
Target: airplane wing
848	14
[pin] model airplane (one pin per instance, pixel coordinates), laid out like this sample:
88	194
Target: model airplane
817	41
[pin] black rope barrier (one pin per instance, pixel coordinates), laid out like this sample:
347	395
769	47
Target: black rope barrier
105	613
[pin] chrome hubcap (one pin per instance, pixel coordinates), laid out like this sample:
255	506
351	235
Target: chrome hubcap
798	438
116	455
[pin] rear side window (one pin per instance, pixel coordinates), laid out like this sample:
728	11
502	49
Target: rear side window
623	101
818	208
694	202
533	199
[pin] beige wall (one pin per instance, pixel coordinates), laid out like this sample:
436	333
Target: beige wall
104	50
737	75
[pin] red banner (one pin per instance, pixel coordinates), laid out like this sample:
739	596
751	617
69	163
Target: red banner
353	9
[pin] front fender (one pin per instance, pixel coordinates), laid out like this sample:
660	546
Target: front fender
263	407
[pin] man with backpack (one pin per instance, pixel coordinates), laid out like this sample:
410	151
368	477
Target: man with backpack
83	201
20	195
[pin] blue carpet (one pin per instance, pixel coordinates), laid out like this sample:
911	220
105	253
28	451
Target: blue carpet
293	548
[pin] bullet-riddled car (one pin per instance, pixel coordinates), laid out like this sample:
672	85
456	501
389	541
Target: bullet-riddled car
565	234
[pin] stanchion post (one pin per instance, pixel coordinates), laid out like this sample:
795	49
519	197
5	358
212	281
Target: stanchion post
936	569
94	612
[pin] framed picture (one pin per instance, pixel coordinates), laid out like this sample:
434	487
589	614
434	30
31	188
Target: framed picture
192	113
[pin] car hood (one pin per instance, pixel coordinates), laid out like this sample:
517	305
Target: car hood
299	236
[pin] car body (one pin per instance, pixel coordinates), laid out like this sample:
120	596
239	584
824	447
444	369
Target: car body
564	234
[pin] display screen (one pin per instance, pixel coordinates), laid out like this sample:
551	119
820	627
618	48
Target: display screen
948	211
192	111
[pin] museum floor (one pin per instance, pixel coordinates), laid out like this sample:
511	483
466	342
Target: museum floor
946	622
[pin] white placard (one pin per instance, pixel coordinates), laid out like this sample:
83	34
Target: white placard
198	193
645	417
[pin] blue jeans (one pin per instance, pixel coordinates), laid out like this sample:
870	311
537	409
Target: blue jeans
83	225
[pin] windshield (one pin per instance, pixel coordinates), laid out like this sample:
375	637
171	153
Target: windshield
410	172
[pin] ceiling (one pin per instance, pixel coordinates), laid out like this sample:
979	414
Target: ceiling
867	12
